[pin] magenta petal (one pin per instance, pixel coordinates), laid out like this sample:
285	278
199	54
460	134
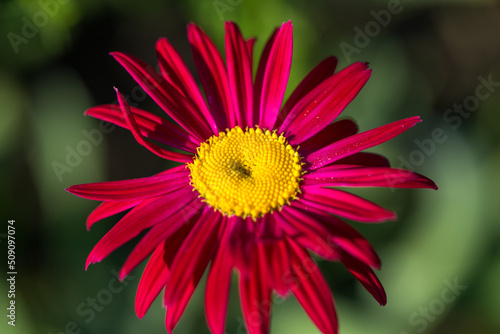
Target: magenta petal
321	72
160	232
189	265
240	75
311	290
358	142
344	204
365	275
152	281
259	76
337	234
331	133
213	76
195	253
166	96
365	159
177	74
276	75
307	232
107	209
134	189
134	128
255	296
331	176
324	103
150	126
218	284
148	213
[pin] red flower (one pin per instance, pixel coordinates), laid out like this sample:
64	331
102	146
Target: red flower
254	191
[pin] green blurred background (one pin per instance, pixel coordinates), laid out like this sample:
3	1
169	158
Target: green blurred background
429	58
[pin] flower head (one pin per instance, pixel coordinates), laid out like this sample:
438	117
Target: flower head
257	187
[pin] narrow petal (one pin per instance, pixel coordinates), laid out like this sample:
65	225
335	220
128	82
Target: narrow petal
176	72
331	133
250	43
367	177
344	204
240	75
325	103
134	128
145	215
307	232
218	286
156	273
134	189
321	72
189	264
358	142
213	77
365	159
311	290
259	76
166	96
276	76
336	233
160	232
255	296
365	275
150	126
107	209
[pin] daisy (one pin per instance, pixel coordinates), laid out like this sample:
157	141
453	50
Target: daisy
257	188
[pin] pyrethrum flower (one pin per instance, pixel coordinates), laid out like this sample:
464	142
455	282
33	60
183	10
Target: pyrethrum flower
257	188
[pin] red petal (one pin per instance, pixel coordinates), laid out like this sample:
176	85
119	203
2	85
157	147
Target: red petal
365	159
259	76
190	263
323	104
134	128
148	213
307	232
166	96
359	142
213	77
107	209
331	176
150	126
160	232
321	72
276	76
176	72
331	133
255	296
336	231
311	290
218	284
365	275
134	189
156	273
344	204
240	75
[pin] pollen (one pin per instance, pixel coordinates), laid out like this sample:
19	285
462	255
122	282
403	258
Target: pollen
246	173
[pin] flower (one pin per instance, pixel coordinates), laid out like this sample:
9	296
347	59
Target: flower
256	188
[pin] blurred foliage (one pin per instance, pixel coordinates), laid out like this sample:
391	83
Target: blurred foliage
427	57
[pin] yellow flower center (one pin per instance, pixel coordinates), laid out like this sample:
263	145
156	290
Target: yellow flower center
246	173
